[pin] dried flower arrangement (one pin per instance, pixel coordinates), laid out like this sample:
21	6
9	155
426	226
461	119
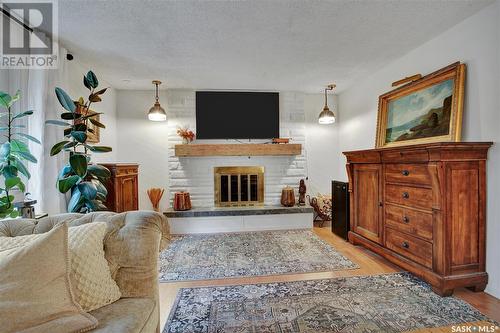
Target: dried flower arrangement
186	134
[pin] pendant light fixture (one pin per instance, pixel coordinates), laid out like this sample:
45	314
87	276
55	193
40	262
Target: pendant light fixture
326	116
157	113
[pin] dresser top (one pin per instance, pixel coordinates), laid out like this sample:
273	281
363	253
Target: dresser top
435	145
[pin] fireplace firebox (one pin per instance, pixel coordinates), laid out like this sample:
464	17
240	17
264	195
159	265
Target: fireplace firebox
239	186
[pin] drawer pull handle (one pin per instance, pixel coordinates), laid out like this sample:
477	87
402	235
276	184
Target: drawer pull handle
405	245
406	219
406	195
405	172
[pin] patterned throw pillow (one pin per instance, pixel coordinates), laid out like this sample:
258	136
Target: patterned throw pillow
91	279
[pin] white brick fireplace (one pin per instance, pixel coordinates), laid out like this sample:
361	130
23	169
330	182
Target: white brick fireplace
196	174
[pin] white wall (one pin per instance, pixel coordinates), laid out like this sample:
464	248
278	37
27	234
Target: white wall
322	144
475	41
142	141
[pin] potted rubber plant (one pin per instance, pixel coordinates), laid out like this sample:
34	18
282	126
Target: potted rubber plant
14	153
83	179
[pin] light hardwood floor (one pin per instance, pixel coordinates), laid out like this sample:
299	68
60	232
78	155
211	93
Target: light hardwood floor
368	262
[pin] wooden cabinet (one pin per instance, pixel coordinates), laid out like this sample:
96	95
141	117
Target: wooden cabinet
122	187
423	207
366	205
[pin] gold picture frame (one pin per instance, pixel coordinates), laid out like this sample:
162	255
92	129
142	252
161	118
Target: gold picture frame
426	110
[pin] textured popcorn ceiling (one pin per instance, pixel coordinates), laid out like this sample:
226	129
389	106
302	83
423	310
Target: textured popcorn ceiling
265	45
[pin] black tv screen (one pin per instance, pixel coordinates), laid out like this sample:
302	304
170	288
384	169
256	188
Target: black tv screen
237	115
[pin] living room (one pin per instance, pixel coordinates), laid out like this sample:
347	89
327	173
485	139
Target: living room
250	166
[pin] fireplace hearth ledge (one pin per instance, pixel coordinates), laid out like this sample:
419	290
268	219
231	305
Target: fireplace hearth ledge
239	219
238	211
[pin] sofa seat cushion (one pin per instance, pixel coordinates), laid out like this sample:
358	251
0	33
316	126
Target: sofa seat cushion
129	315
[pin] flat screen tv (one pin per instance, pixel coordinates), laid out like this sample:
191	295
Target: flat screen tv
237	115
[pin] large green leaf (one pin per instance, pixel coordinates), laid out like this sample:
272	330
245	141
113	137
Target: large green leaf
5	99
100	187
57	147
9	171
23	114
57	122
97	123
16	162
65	184
92	79
79	136
7	199
100	149
71	144
65	171
70	115
17	146
86	83
80	127
88	190
78	163
11	182
29	137
76	202
65	101
5	150
26	155
20	149
99	171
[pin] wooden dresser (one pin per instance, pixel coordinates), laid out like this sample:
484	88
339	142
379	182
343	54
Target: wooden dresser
423	208
122	187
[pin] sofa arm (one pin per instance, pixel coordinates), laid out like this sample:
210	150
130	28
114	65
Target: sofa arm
132	245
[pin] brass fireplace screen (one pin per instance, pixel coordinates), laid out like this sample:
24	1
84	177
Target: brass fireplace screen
239	186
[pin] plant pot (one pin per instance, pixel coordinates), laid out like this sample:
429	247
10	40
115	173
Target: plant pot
288	197
182	201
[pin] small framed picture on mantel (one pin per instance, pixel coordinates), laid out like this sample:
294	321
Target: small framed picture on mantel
423	111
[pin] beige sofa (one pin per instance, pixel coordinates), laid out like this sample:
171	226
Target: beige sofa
131	245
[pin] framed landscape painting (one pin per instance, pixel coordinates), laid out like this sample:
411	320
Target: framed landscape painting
426	110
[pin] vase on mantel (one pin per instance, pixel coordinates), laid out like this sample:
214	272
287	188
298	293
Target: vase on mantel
185	141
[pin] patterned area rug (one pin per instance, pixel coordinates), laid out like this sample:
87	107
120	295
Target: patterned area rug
381	303
215	256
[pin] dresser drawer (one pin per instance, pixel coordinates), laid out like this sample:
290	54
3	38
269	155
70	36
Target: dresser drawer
410	221
408	246
409	196
417	174
402	156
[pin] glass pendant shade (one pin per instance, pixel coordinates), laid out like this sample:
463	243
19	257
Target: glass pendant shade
157	113
327	116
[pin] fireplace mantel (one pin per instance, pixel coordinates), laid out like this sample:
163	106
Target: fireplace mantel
243	149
